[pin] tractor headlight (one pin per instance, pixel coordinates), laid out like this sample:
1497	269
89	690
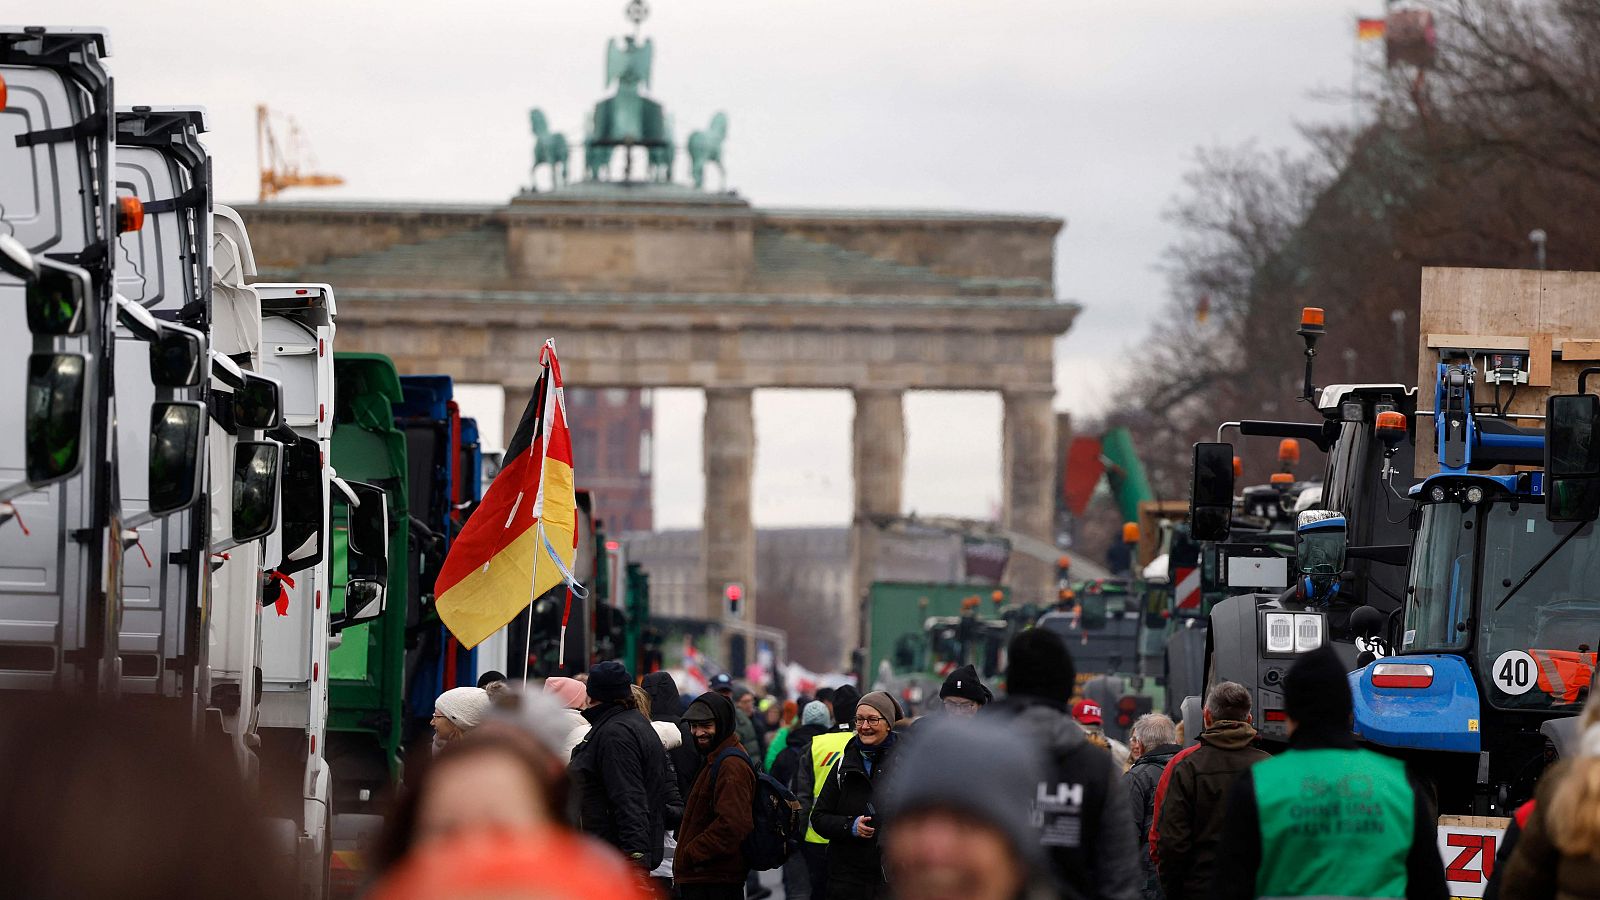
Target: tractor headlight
1307	632
1280	632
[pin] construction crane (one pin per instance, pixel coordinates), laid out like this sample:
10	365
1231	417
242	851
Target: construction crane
280	163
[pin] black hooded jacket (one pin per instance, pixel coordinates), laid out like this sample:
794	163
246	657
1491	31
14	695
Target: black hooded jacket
621	774
664	705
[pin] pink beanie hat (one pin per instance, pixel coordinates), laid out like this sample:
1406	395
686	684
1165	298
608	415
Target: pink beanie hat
569	691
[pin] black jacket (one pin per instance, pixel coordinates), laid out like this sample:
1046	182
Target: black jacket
621	774
1142	780
795	745
1087	822
855	867
1239	855
665	706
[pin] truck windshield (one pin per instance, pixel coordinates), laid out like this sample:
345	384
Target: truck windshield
1440	599
1537	651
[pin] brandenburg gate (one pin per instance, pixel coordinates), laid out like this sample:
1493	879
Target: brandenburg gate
651	284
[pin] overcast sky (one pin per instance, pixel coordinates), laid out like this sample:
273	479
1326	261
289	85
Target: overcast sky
1089	111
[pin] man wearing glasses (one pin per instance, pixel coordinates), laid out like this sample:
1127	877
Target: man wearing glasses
844	812
963	694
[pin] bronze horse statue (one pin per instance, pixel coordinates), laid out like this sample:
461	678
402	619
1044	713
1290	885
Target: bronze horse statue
549	148
706	147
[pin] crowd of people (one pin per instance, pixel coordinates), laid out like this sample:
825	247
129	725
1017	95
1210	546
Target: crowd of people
604	785
1017	797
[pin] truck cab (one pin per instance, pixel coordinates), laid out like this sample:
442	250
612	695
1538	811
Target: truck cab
59	613
163	290
245	404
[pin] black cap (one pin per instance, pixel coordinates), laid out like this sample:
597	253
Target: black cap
964	683
490	677
722	682
1316	692
1040	665
699	711
609	681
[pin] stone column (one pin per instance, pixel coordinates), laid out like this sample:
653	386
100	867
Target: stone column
517	397
729	536
879	442
1029	490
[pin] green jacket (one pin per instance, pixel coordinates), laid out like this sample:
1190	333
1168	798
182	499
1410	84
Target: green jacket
1328	820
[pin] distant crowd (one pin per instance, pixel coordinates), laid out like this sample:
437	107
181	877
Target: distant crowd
615	787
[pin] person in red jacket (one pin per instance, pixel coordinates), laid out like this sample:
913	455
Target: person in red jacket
709	864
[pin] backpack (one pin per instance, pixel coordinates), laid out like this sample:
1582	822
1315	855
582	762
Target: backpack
776	816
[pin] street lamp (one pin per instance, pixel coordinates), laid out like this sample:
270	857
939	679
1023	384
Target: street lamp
1398	317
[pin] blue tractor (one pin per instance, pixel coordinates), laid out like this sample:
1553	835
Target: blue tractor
1478	675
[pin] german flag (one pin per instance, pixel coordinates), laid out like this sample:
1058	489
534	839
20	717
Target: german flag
521	540
1371	29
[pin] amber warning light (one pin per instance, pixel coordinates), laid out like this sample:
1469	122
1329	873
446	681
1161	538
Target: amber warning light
1312	319
130	214
1288	451
1390	424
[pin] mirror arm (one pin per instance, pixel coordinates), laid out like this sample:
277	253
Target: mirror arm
1387	554
138	320
11	492
227	370
344	488
1583	377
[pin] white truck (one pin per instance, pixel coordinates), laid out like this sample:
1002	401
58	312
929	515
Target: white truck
297	629
162	400
59	215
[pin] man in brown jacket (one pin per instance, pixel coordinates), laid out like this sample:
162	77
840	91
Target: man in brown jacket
1193	796
709	864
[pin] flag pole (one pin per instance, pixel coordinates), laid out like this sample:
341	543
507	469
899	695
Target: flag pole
541	389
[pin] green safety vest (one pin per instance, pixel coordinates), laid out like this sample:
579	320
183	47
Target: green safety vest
1334	823
826	749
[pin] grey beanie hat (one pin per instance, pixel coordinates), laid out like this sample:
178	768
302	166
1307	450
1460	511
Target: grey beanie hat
884	703
959	765
816	713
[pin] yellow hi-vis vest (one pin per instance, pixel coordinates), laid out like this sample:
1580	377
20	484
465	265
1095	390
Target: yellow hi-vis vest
825	752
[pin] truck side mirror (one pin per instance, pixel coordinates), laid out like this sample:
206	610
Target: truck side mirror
57	299
177	439
367	560
15	260
177	357
258	403
1211	492
256	465
303	504
1571	458
54	427
1320	543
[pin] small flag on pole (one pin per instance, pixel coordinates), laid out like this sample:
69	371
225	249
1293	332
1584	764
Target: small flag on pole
1371	29
522	539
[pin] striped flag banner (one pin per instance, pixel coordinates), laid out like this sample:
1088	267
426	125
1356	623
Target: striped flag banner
522	539
1371	29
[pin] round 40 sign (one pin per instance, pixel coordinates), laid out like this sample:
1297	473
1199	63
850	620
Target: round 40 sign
1514	672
